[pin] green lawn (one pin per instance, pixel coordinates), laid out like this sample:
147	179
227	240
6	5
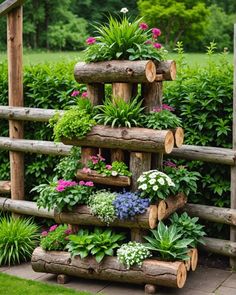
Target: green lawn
51	57
10	285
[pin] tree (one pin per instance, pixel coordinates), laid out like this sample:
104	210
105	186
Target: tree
177	20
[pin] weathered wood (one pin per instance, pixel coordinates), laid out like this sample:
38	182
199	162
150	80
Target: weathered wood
179	136
62	279
115	71
211	213
205	153
188	262
153	216
9	5
15	96
139	163
134	139
150	289
96	93
86	154
5	187
218	246
170	205
124	90
117	155
152	95
34	146
103	179
194	259
167	69
136	234
171	274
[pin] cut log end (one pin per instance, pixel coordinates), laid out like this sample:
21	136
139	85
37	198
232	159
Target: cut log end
169	142
150	71
194	259
162	207
179	136
173	70
150	289
181	275
153	216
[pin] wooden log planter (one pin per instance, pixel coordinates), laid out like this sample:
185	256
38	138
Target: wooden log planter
163	273
133	139
103	179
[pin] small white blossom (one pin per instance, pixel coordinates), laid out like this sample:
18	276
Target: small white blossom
155	188
141	179
114	173
124	10
143	186
161	181
152	181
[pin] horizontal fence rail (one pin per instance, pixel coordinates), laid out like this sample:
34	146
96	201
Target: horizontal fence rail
8	5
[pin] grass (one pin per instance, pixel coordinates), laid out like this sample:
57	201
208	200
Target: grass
35	57
10	285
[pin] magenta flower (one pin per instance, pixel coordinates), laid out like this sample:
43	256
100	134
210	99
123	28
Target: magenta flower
53	227
143	26
169	164
44	233
167	107
68	231
148	42
89	183
86	170
81	182
157	45
84	94
156	33
75	93
95	161
90	40
60	188
108	167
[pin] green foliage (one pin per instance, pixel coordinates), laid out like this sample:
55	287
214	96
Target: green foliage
55	239
162	120
118	168
168	242
101	205
74	123
185	181
132	253
189	228
98	243
18	238
119	113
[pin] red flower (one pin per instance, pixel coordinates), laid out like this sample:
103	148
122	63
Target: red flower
156	33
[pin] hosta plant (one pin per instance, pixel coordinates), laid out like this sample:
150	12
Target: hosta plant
132	254
18	238
56	238
168	242
189	227
118	113
155	185
80	244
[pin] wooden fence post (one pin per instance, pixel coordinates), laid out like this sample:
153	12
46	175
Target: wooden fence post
15	86
233	168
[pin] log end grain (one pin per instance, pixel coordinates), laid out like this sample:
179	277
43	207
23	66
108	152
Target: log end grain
169	142
150	71
194	259
179	136
153	216
181	275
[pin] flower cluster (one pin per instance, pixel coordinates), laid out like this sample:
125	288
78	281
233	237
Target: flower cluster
165	107
132	253
155	34
63	184
128	204
76	93
86	183
155	184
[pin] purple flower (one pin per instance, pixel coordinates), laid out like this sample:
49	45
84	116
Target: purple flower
157	45
75	93
53	227
68	231
44	233
169	164
90	40
143	26
156	33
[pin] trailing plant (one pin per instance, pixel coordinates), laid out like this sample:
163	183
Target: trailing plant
98	243
18	238
63	194
132	254
189	228
128	204
123	39
185	181
155	185
162	119
168	242
56	238
101	205
75	122
118	113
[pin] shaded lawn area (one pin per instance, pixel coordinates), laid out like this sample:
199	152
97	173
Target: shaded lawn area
10	285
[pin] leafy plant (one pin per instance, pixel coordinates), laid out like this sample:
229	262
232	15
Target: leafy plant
168	242
117	168
119	113
18	238
162	119
97	163
101	205
154	184
63	194
132	253
128	204
56	238
80	244
185	181
74	123
188	227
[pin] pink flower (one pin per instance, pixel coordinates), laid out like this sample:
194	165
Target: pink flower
81	182
75	93
148	42
53	227
84	94
68	231
90	40
169	164
86	170
157	45
156	109
167	107
143	26
95	161
156	33
60	188
89	183
100	158
44	233
108	167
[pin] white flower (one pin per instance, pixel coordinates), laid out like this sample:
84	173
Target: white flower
153	175
143	186
152	181
141	179
114	173
155	188
124	10
161	181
